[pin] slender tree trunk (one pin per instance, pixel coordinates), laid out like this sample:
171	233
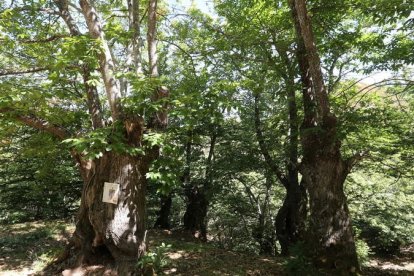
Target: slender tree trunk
163	219
134	56
265	240
152	38
159	120
135	28
324	171
290	219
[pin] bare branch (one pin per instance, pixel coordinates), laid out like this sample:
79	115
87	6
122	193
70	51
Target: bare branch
43	40
66	16
28	71
152	38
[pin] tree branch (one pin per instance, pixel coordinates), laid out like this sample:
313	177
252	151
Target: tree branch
64	13
152	38
44	40
305	36
262	145
93	101
355	159
37	123
106	63
28	71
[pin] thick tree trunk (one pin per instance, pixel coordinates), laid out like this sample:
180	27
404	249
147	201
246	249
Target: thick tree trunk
330	238
108	237
163	219
112	233
331	234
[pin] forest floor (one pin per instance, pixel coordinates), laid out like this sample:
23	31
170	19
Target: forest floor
26	248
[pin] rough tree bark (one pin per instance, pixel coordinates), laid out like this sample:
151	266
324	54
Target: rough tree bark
108	232
323	168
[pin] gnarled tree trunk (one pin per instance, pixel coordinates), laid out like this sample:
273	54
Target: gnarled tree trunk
107	231
291	217
113	235
324	170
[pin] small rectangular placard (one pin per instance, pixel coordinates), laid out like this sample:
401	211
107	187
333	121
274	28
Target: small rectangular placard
111	193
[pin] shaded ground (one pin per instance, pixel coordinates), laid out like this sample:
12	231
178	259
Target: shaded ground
26	248
398	265
188	256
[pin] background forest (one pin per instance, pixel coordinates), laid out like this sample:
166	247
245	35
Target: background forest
235	110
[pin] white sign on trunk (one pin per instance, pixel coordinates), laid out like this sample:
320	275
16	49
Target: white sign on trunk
111	193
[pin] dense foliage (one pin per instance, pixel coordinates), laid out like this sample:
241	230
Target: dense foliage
232	76
38	179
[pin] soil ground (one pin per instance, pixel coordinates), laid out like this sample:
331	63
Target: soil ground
27	248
